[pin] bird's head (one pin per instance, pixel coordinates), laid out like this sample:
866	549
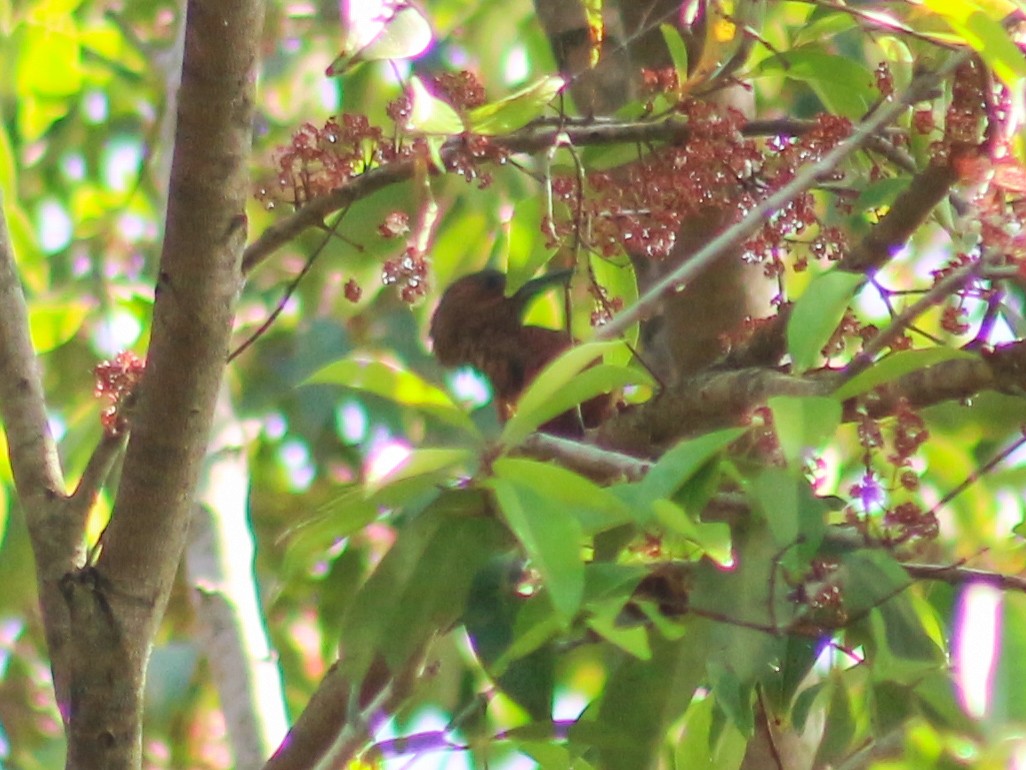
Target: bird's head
475	308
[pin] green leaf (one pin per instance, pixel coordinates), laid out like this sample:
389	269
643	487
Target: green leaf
682	461
516	110
979	25
386	379
428	462
843	84
795	516
871	578
350	511
605	621
677	49
733	696
421	584
548	756
816	315
1009	696
49	58
596	508
804	424
431	115
882	192
839	728
571	379
518	659
898	365
8	163
51	324
620	282
403	35
643	697
712	539
552	540
700	748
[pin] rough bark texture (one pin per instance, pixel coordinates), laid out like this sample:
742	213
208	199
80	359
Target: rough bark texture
116	605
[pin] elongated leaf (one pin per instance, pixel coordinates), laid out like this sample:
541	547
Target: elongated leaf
677	49
383	378
552	539
796	518
642	698
804	424
401	34
595	507
569	380
898	365
700	748
431	115
429	462
516	110
680	463
1010	676
495	622
843	85
712	539
421	584
816	315
979	25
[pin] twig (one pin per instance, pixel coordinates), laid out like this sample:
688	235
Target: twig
539	136
957	575
586	459
289	290
934	296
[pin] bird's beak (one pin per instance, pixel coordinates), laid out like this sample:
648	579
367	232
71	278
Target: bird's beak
543	282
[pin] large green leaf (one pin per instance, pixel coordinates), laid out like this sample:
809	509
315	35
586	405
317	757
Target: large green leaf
702	747
431	115
491	623
979	25
898	365
679	463
795	517
643	697
711	539
49	60
595	507
803	424
387	379
844	85
420	586
573	378
816	315
1009	694
402	35
517	109
552	539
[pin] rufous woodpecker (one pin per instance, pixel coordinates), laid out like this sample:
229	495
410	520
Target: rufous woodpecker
476	324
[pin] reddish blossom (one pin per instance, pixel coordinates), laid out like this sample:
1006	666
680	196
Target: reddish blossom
116	381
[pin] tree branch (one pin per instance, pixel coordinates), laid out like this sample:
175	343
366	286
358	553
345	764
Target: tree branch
719	399
197	286
57	540
537	137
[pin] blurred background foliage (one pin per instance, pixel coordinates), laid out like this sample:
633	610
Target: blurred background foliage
86	129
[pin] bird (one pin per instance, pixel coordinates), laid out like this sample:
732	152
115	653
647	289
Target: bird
476	324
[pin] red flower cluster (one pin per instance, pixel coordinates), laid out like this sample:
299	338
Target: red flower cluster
116	382
408	274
